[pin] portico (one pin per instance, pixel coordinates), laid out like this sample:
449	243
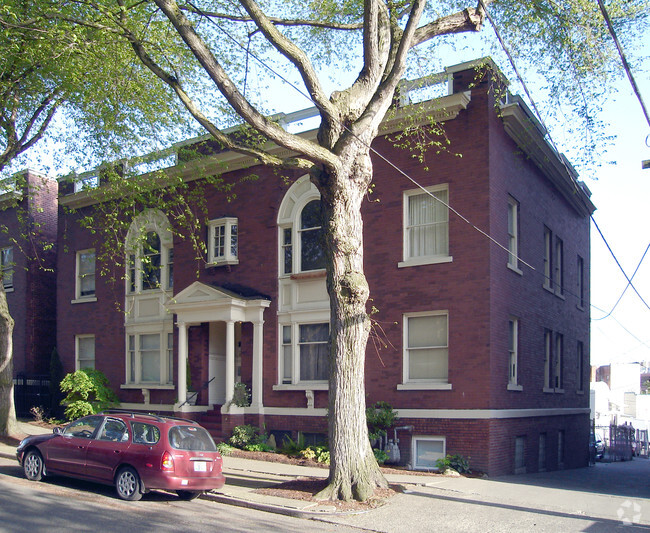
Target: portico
222	309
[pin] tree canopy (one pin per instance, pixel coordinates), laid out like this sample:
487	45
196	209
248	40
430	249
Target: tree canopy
123	66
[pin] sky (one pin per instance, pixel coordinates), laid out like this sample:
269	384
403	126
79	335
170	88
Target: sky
620	191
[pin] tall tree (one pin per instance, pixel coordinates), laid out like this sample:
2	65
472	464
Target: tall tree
375	38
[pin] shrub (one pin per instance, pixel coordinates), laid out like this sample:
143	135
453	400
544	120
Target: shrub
454	462
320	454
241	396
380	455
88	393
224	448
380	418
291	447
246	435
258	447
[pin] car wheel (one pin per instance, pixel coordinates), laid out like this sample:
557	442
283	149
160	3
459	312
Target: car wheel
188	495
127	484
33	465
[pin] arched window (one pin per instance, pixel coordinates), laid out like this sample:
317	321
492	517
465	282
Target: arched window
150	278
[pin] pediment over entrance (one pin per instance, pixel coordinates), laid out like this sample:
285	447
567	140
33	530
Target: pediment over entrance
206	303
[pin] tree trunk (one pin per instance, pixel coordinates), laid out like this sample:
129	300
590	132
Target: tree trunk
8	424
354	472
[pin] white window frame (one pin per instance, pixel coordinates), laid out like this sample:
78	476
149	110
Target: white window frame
134	268
293	231
513	354
79	339
513	235
548	361
230	228
412	383
407	258
290	355
548	259
7	267
427	438
165	350
558	263
81	275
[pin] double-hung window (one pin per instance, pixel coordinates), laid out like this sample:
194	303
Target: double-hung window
559	267
426	352
581	282
548	259
151	266
149	358
223	241
305	352
301	242
426	226
548	361
580	367
7	267
513	234
85	351
85	285
513	354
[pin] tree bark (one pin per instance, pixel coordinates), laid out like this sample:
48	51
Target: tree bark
8	424
354	472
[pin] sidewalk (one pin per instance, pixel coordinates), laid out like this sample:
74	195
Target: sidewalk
244	476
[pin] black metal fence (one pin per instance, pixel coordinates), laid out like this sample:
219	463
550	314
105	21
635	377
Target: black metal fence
31	391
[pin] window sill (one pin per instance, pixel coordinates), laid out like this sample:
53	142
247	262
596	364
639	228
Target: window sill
419	261
316	385
580	307
560	295
152	386
316	274
515	269
424	386
515	387
553	391
222	262
8	290
84	300
548	288
580	392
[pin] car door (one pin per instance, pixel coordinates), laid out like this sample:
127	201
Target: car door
66	453
107	450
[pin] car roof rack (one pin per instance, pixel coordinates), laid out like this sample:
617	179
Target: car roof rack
159	418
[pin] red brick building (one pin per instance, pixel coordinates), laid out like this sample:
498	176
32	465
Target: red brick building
481	348
28	218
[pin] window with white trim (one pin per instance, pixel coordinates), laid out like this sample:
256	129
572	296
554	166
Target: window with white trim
305	352
558	375
548	259
558	263
301	243
426	351
513	352
581	282
149	358
426	226
85	351
223	241
425	451
513	233
7	267
548	360
85	285
151	266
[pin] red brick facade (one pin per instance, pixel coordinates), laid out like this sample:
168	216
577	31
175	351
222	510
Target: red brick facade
478	415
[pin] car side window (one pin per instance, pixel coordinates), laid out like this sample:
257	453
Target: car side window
84	427
145	433
114	430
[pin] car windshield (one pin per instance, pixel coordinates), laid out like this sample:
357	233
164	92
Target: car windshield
191	438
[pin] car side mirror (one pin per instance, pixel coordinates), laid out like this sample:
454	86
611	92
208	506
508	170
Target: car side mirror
57	431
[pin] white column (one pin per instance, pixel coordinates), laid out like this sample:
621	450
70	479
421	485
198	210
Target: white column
230	360
258	336
182	362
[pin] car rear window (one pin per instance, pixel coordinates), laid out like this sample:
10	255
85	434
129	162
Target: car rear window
191	438
145	433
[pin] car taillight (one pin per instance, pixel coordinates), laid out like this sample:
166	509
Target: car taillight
167	462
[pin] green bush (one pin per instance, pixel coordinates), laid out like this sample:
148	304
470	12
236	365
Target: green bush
320	454
246	435
88	392
224	448
380	418
380	455
258	447
291	447
454	462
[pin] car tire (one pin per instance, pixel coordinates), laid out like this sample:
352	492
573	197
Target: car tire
33	465
188	495
127	484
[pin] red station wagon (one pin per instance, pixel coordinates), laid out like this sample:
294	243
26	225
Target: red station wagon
135	452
